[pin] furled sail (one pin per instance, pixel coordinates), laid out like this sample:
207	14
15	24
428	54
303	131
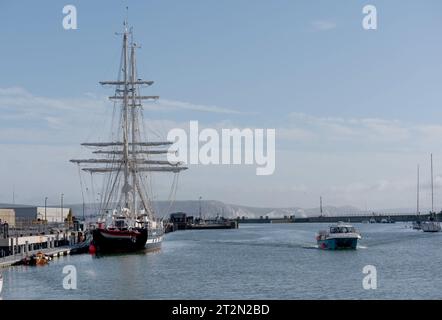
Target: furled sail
141	144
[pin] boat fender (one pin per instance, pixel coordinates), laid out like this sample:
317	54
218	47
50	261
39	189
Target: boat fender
92	249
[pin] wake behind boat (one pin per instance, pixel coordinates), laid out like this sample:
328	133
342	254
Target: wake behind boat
128	221
339	236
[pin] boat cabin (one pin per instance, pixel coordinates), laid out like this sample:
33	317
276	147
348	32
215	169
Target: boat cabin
119	223
342	229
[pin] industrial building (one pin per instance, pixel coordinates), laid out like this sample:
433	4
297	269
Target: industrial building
13	213
7	215
52	214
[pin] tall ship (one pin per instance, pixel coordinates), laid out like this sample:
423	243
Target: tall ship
128	221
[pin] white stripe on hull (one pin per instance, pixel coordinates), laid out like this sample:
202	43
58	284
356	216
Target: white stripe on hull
116	236
154	240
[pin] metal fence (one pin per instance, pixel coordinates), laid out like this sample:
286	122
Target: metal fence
29	227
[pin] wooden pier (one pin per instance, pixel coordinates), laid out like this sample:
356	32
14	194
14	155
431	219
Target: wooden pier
51	252
14	248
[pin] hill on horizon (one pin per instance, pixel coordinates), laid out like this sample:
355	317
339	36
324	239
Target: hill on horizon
212	208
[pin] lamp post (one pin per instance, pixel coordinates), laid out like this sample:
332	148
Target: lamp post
46	205
200	205
62	207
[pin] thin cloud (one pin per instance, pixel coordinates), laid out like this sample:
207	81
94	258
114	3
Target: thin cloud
358	133
20	101
29	118
173	104
323	25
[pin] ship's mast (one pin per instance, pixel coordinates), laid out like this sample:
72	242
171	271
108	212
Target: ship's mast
129	155
432	194
133	111
417	201
125	120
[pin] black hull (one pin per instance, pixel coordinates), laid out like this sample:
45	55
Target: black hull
108	243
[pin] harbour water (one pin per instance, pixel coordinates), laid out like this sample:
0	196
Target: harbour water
256	261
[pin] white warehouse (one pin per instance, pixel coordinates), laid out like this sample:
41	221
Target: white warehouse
34	213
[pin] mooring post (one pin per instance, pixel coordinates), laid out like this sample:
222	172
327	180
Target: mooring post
16	245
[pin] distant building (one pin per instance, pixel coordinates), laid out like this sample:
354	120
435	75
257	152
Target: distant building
179	220
7	215
21	212
34	213
52	214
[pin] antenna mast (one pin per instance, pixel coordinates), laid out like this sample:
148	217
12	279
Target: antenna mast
417	201
432	193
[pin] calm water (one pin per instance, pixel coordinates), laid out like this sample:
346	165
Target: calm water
253	262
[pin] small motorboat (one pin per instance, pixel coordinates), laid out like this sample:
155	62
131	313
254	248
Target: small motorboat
38	259
387	220
339	236
41	259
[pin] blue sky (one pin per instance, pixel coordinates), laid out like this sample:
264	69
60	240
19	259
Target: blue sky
255	56
332	90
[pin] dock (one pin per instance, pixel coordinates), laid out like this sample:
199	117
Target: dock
20	242
181	221
51	252
213	225
355	218
266	219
